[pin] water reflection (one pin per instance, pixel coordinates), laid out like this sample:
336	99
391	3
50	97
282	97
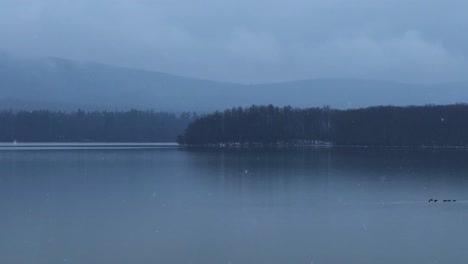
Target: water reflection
232	206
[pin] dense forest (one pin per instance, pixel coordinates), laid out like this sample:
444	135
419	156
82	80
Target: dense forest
257	125
97	126
375	126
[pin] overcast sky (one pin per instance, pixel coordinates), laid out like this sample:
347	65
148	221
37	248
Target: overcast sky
249	40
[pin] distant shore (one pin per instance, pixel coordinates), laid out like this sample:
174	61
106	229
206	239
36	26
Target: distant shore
83	145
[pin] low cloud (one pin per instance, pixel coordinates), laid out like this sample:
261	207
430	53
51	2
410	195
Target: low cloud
407	57
248	40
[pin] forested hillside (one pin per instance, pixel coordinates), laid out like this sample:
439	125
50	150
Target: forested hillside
97	126
375	126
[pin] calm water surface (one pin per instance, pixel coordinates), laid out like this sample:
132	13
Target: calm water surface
131	204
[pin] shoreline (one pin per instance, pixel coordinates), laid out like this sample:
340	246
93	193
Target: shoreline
259	146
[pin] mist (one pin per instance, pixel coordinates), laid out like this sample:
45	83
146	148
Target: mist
248	41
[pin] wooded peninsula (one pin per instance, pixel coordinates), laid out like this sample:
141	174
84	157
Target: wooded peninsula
430	125
413	126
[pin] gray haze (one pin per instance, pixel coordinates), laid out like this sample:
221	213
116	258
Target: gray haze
60	84
418	41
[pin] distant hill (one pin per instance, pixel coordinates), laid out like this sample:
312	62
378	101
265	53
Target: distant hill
56	83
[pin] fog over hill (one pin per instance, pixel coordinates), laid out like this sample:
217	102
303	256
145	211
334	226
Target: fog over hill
56	83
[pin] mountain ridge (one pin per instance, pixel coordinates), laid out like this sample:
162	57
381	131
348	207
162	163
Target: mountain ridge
58	81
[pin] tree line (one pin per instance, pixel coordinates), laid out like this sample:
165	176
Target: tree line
95	126
430	125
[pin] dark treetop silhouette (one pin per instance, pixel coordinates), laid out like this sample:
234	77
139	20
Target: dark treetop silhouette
98	126
375	126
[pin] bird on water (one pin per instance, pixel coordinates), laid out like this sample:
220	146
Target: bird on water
444	201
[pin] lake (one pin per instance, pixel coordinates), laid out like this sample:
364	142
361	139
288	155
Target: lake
163	204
